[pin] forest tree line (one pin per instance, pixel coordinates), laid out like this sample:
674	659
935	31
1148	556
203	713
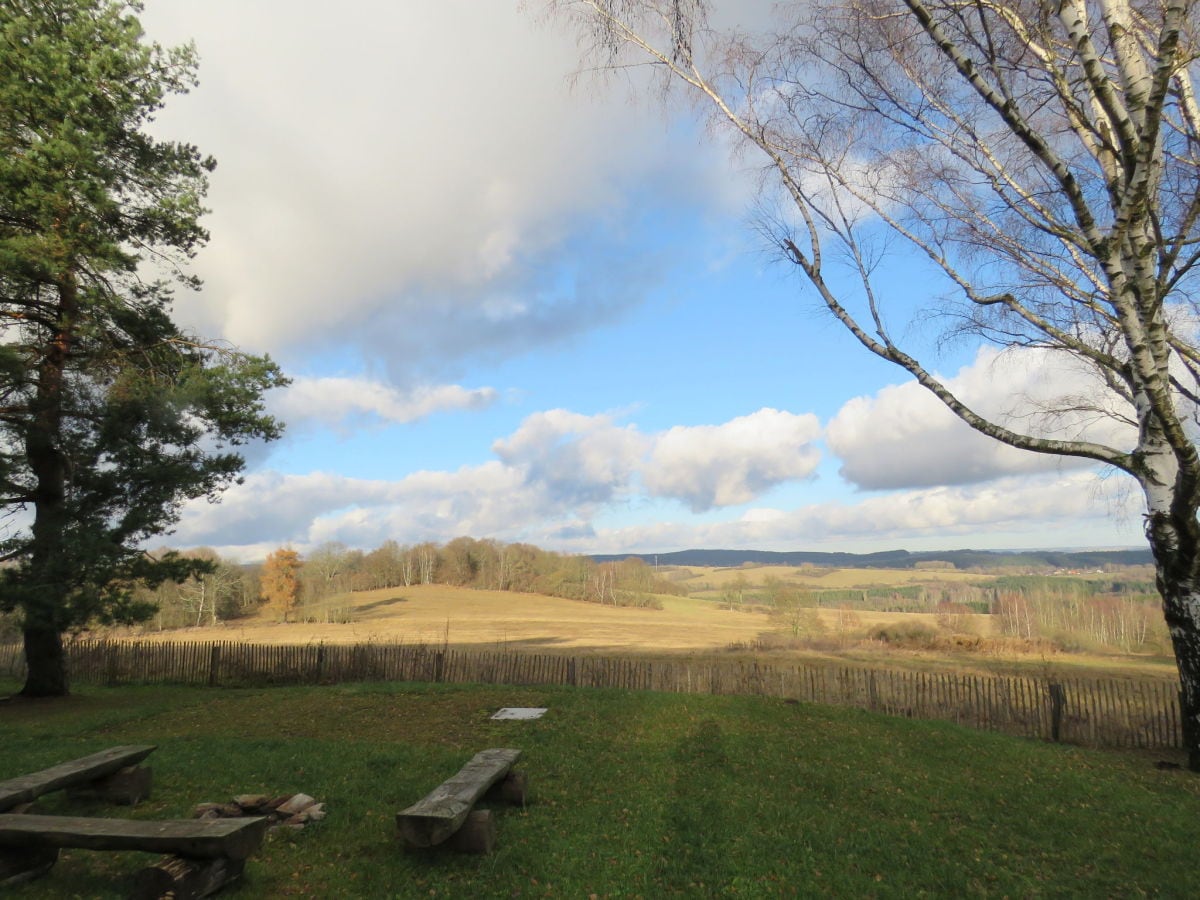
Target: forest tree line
1069	612
314	586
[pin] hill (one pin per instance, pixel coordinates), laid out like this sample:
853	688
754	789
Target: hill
895	559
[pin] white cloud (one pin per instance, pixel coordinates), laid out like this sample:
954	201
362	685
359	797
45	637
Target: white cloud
557	467
590	459
334	401
1042	510
495	501
904	437
556	479
551	478
733	463
268	507
305	510
574	458
417	167
485	500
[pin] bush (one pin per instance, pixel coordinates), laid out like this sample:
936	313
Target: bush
912	635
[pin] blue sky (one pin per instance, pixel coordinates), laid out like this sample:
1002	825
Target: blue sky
524	310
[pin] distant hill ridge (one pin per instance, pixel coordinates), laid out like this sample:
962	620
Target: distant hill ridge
893	559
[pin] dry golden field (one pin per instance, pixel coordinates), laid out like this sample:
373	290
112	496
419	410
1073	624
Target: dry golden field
475	619
814	578
436	614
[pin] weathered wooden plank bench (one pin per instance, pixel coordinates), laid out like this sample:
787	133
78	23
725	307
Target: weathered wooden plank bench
206	854
447	813
112	774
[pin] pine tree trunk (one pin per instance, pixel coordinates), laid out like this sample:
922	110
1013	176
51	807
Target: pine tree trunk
46	664
44	610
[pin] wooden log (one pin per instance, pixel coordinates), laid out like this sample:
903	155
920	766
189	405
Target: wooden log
442	812
25	864
26	788
232	838
128	786
477	834
181	878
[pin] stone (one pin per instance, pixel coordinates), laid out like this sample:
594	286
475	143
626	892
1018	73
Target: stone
297	803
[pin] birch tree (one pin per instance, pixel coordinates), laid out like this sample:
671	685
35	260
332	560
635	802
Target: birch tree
1041	156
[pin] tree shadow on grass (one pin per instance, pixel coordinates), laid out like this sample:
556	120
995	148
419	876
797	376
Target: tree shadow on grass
698	823
377	604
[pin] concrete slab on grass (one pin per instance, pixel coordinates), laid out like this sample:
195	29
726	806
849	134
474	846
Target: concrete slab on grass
520	712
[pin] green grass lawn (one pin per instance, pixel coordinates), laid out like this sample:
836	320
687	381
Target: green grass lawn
631	794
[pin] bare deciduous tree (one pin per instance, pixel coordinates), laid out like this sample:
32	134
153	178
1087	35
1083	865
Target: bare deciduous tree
206	593
1041	156
426	556
388	565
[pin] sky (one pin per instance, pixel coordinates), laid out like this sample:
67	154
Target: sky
522	306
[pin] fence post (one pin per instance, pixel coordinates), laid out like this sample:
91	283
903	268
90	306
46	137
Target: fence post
110	664
214	664
320	664
1058	701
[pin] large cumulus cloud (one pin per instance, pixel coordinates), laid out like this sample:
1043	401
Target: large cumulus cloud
551	478
708	466
575	458
417	179
904	437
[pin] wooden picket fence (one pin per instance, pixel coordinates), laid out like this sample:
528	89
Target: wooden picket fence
1094	712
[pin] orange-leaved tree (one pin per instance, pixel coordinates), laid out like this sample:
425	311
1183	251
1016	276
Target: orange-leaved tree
281	581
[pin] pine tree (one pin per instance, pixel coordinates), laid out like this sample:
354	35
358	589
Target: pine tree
111	416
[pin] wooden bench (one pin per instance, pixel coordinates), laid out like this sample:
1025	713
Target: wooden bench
112	774
448	812
206	854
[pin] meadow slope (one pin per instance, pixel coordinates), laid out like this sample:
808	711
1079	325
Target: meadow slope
435	614
466	618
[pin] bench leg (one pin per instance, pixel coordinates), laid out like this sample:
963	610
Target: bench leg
25	863
184	878
477	835
512	788
129	787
